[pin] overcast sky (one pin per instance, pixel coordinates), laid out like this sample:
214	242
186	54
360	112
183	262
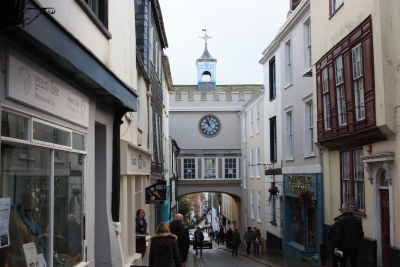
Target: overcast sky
240	31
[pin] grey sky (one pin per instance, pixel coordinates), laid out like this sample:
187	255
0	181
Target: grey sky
240	31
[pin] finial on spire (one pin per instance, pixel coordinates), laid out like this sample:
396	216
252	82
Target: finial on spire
205	37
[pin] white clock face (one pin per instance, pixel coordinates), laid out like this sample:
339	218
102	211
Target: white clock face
209	125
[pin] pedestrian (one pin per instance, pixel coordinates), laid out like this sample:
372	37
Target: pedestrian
235	241
178	228
217	237
141	231
164	249
349	233
198	240
229	237
256	239
212	234
248	238
221	234
141	223
331	239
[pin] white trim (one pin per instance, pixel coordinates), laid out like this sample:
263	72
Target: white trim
302	169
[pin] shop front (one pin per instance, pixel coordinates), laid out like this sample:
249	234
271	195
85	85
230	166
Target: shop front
303	215
56	174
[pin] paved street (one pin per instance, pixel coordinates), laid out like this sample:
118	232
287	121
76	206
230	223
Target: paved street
220	256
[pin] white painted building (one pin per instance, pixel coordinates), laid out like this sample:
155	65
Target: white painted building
272	71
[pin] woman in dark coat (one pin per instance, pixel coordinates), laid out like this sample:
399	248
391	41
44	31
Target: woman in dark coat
235	241
164	251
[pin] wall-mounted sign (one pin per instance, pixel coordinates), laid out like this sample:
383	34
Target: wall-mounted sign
32	85
298	183
156	193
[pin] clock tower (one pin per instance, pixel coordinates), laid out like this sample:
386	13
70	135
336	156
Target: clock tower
206	69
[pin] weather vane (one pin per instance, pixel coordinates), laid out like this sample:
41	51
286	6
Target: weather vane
205	37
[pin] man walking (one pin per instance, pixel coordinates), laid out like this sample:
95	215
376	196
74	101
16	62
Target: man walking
349	234
177	228
235	241
198	240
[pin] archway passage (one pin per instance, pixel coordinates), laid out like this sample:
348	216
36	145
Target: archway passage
210	211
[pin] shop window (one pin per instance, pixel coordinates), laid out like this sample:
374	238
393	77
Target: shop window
42	190
41	197
303	222
230	168
189	168
210	168
50	134
14	126
78	141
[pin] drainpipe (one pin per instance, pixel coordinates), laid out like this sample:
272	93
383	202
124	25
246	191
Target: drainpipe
116	158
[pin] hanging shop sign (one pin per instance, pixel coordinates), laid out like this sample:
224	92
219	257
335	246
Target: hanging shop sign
156	193
298	183
29	83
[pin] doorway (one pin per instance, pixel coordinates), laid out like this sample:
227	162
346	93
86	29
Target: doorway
385	217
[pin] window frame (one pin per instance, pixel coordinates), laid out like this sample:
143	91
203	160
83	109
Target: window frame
307	45
258	162
273	140
272	79
334	7
340	91
252	202
351	165
358	78
288	63
183	168
289	134
258	205
309	126
244	128
101	25
234	162
257	118
251	163
326	99
251	121
215	172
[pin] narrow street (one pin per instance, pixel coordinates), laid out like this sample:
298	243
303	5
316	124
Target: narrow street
219	257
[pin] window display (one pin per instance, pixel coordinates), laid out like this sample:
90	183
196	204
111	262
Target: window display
45	188
303	221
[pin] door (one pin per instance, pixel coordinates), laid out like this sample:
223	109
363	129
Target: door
385	225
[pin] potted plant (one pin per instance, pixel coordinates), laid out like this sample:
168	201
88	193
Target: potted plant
273	191
305	194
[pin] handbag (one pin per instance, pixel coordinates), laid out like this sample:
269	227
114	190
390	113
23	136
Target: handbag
257	242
